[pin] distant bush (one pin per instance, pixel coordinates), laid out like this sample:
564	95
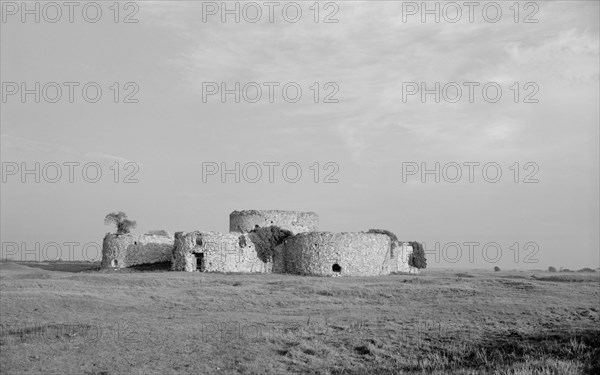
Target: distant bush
586	270
266	239
565	270
551	269
496	269
417	258
124	225
391	235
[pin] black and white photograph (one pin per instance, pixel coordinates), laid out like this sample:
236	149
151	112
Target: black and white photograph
319	187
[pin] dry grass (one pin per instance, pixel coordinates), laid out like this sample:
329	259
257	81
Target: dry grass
71	318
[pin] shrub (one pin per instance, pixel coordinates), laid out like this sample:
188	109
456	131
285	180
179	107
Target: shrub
496	269
417	258
586	270
124	225
551	269
391	235
266	239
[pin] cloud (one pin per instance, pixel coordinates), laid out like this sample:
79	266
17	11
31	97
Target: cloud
371	51
107	157
16	148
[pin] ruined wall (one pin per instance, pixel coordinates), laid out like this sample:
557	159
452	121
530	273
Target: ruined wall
397	261
294	221
182	257
126	250
404	250
222	252
356	254
308	252
148	249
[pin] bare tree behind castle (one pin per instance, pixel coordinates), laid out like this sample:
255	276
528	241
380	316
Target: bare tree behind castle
124	225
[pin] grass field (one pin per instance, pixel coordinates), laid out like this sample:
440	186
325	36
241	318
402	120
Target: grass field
71	318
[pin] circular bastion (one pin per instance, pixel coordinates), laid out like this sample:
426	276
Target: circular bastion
294	221
114	250
338	254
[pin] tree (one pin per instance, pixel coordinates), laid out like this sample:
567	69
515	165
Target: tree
417	258
551	269
266	239
124	225
496	269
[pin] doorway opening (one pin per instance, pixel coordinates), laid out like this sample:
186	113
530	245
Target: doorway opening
336	268
199	261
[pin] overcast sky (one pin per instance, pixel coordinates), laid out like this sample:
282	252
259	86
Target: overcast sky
363	61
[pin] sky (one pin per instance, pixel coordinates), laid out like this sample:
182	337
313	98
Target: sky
367	145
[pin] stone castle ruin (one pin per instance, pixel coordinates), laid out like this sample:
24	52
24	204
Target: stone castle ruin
306	252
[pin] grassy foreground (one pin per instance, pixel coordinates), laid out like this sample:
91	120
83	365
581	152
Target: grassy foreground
73	319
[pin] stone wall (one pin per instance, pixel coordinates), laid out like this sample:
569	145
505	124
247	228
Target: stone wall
404	251
294	221
126	250
148	249
221	252
182	257
350	254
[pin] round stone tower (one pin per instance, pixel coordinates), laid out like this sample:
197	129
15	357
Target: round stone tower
294	221
338	254
114	250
